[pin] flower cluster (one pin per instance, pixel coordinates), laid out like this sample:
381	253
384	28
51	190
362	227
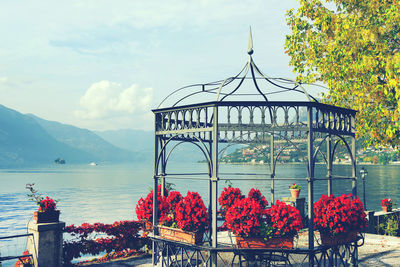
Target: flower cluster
144	207
244	217
191	213
228	196
294	186
173	199
334	215
386	202
283	219
47	204
122	235
250	217
258	197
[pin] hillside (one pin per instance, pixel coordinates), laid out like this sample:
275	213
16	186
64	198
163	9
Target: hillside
87	141
27	140
24	142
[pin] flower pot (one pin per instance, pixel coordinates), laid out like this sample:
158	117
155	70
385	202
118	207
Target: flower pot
176	234
147	226
387	208
342	238
260	242
295	193
47	216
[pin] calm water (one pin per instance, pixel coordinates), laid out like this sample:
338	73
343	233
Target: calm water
110	193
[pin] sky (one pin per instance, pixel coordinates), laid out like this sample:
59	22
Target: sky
103	65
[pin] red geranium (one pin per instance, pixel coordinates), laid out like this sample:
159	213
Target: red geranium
228	196
257	196
283	219
144	207
47	204
191	213
386	202
334	215
173	199
244	217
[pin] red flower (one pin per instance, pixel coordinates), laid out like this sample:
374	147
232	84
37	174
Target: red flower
257	196
191	213
228	196
386	202
144	207
47	204
244	217
335	215
284	219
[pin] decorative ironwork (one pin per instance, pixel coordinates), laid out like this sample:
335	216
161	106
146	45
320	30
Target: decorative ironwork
243	109
14	255
172	253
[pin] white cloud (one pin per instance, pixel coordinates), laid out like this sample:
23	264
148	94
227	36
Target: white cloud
107	99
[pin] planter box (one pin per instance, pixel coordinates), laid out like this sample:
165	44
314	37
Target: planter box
46	217
340	239
260	242
194	238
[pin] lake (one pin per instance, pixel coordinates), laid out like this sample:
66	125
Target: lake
109	193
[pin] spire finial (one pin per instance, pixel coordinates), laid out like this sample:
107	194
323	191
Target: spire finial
250	50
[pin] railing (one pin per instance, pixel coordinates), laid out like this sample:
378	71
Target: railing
13	254
180	254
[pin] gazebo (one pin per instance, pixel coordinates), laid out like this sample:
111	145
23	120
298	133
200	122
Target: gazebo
244	110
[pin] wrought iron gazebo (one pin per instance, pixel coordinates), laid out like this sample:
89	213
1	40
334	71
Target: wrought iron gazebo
244	111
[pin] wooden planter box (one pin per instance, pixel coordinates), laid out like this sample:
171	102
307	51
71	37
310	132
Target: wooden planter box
46	217
194	238
260	242
340	239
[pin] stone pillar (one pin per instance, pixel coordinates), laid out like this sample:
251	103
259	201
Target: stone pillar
372	227
46	243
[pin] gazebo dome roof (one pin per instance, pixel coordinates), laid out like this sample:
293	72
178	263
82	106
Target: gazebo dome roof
250	84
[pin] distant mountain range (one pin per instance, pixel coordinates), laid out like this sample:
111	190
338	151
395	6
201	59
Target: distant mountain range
27	140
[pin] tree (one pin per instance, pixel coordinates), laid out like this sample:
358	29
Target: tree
353	47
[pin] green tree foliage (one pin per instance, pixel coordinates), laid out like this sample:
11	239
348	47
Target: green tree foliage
352	46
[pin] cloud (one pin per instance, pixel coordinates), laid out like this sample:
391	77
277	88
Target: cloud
107	99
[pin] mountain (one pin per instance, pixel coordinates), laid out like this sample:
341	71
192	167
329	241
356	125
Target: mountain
86	141
143	142
27	140
133	140
24	142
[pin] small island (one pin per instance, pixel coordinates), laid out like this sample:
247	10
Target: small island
59	161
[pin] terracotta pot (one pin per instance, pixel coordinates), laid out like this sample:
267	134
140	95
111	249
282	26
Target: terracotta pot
295	193
260	242
46	217
194	238
387	208
147	226
342	238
